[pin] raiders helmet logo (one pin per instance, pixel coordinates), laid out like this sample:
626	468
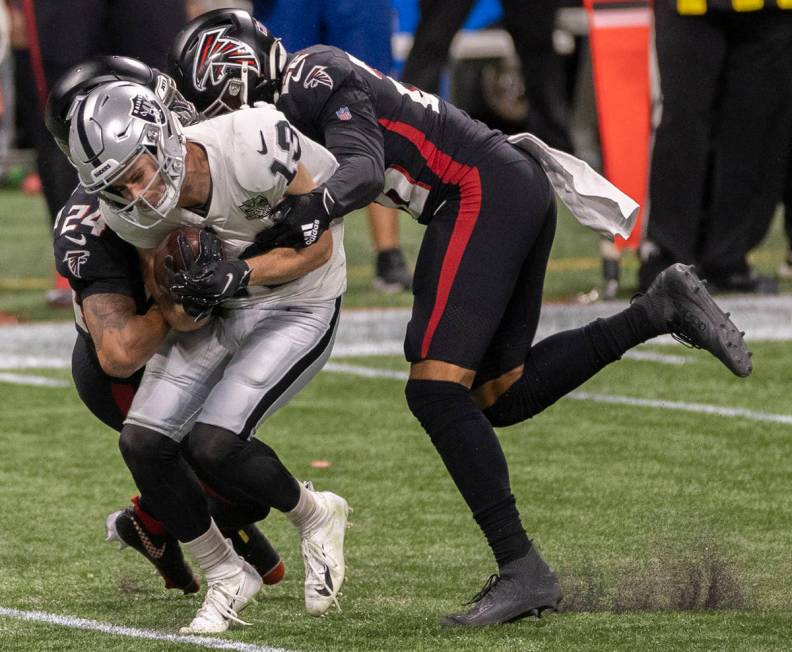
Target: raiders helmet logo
216	54
75	259
145	109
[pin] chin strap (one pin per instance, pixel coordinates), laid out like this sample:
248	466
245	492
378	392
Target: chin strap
244	91
276	64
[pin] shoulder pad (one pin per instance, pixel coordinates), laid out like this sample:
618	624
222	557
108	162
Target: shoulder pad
79	216
263	144
315	72
85	249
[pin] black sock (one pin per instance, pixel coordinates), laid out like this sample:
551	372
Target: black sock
473	456
234	515
564	361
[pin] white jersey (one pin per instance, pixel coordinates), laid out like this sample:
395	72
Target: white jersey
253	155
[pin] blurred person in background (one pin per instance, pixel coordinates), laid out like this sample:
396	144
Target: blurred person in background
531	26
364	30
785	268
61	34
721	149
6	83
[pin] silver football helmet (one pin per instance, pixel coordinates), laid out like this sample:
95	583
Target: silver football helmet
112	129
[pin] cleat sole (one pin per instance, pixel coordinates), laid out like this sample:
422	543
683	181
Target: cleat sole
731	342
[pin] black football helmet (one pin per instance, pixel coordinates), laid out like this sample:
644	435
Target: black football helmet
224	59
83	78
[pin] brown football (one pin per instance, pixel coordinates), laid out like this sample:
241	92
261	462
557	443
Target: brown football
169	247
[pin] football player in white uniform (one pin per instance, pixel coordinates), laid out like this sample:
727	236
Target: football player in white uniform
119	327
277	314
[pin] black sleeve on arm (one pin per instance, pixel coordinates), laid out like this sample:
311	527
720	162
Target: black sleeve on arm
357	144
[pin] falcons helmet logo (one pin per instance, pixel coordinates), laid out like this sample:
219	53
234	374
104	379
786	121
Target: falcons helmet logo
75	259
216	54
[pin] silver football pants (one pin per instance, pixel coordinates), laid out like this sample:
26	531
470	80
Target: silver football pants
236	371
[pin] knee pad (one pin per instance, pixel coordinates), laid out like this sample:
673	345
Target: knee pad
439	404
141	447
245	471
210	446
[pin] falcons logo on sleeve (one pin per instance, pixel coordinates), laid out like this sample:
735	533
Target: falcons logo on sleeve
75	259
216	54
318	77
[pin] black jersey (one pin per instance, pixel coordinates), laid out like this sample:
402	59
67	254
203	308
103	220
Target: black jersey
92	257
379	128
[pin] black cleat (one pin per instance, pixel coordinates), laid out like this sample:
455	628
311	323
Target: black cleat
255	548
162	550
526	587
392	274
678	303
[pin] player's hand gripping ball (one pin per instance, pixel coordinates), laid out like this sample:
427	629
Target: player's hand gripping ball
197	274
178	252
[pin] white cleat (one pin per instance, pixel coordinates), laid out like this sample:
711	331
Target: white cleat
323	553
223	602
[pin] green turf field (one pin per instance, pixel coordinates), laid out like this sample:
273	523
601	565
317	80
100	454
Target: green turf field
652	517
672	529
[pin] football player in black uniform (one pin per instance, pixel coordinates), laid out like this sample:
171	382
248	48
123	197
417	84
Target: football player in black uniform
489	211
119	327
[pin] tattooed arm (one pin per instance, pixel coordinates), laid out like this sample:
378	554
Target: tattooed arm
124	340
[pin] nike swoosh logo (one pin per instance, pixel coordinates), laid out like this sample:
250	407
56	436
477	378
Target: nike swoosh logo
263	150
152	551
79	241
297	74
327	589
237	596
229	280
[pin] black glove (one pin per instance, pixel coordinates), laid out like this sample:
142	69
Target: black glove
207	279
213	283
197	308
299	220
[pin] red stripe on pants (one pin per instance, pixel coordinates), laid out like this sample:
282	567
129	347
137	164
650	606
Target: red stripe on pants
468	180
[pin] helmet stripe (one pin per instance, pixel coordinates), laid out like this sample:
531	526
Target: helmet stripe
93	158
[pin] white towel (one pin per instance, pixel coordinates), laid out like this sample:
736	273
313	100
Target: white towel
592	199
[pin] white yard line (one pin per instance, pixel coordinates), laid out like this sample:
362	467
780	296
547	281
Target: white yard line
394	374
698	408
364	372
33	381
380	332
14	361
73	622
